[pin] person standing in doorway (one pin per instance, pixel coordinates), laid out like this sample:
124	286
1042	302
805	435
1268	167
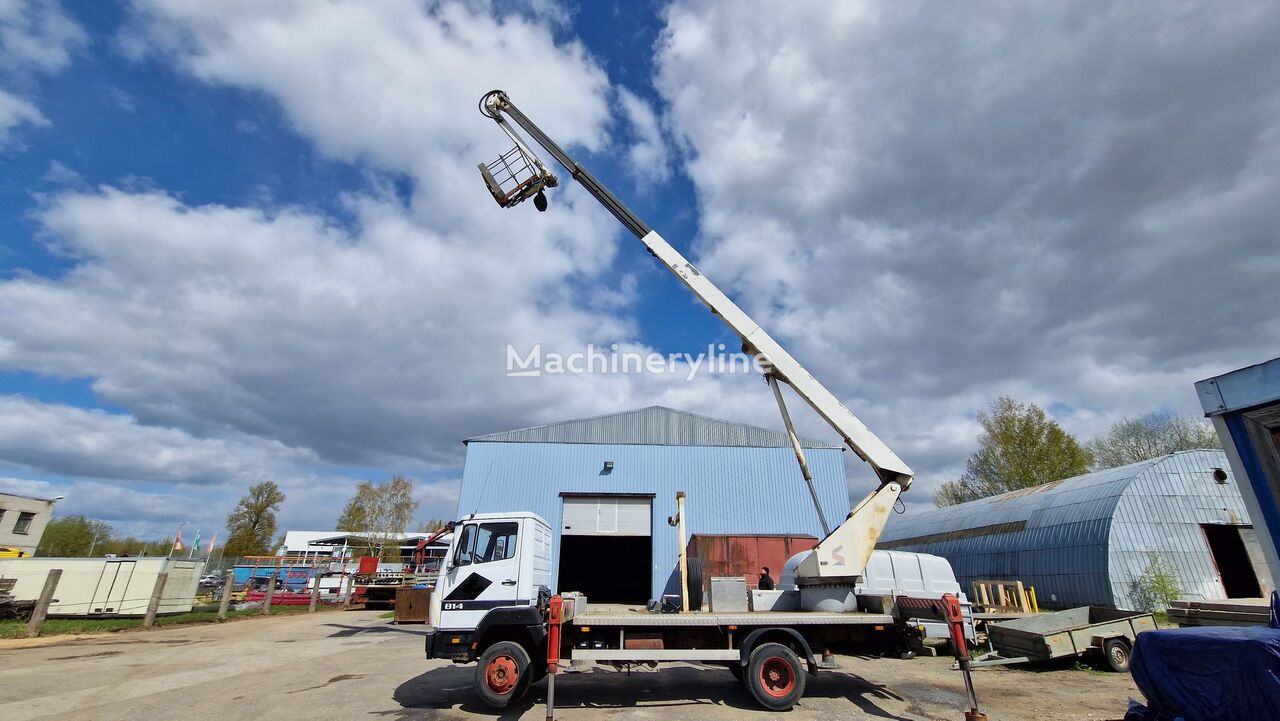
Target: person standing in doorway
766	581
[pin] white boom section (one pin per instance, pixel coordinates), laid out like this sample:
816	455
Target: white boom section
866	444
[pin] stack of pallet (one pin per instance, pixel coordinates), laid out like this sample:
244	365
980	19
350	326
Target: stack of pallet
10	607
1235	612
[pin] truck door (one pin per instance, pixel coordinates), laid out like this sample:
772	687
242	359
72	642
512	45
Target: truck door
484	573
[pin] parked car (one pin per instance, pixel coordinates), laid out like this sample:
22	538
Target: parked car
212	580
11	552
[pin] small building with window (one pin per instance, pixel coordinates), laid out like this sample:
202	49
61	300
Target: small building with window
22	523
607	487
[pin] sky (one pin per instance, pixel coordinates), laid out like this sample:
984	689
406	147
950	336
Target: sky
243	241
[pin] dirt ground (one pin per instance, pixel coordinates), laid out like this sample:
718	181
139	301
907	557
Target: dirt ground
354	665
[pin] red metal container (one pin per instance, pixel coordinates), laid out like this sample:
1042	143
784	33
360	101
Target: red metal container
743	555
368	565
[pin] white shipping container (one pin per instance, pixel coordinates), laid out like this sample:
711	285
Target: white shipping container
106	586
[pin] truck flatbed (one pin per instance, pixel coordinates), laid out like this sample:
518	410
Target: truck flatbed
619	615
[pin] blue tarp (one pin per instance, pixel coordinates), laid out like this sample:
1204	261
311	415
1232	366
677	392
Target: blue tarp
1208	674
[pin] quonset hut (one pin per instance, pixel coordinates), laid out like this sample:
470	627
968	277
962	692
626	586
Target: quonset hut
1086	540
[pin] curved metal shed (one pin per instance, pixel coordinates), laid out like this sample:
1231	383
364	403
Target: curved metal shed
1086	540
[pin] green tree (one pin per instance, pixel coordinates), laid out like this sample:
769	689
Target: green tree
251	525
1151	436
74	536
379	513
1020	447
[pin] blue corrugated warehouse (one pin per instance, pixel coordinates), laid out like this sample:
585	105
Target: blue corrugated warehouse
608	484
1086	540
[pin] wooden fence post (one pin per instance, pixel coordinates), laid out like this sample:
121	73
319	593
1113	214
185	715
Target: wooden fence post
315	588
346	598
153	606
42	606
225	603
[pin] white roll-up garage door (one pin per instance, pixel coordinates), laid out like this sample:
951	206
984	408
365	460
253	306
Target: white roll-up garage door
607	516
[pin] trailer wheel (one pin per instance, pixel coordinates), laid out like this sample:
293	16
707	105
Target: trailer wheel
503	674
775	676
1117	652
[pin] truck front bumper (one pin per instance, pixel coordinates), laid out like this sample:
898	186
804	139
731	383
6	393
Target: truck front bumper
453	645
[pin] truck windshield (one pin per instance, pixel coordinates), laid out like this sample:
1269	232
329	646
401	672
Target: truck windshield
462	552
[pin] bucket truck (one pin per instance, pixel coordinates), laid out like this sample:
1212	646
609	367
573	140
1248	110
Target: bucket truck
491	602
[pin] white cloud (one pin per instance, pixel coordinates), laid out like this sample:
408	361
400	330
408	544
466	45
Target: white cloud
71	441
284	342
35	38
936	206
391	84
648	157
14	111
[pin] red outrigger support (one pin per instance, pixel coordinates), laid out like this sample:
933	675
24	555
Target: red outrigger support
955	620
555	617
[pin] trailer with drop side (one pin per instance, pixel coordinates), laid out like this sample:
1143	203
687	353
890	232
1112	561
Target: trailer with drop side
1074	632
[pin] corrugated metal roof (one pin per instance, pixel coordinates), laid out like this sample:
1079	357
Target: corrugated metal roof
652	426
729	490
1085	540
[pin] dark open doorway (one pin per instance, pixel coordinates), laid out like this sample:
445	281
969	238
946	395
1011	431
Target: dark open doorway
609	569
1227	548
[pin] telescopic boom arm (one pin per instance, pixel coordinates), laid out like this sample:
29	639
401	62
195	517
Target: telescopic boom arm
841	559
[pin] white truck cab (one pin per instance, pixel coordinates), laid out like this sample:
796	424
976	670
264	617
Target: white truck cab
496	560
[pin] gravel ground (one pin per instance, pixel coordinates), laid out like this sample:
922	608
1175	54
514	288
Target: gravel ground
353	665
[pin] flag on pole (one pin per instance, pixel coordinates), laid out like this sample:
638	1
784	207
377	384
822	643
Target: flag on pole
212	542
195	545
177	541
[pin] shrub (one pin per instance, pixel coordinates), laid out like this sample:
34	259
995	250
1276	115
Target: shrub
1157	587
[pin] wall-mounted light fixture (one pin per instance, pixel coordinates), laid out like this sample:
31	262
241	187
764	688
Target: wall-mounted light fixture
608	468
1220	475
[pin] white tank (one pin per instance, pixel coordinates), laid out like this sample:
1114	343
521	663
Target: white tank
889	573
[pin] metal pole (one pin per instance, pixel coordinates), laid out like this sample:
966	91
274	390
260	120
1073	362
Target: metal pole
226	596
795	446
42	606
94	544
346	597
153	606
684	561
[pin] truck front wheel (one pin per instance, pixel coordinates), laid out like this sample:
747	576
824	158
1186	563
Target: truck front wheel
503	674
775	676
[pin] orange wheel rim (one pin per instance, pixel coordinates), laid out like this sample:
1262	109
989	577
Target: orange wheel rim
777	679
501	675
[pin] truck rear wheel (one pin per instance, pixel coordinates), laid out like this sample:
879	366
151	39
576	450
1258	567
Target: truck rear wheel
503	674
775	676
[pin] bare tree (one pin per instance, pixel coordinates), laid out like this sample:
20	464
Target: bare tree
379	513
1151	436
1020	447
